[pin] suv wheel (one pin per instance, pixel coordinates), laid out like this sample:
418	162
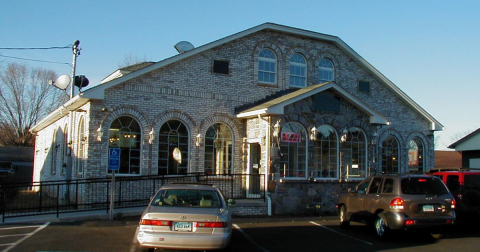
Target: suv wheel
344	223
381	229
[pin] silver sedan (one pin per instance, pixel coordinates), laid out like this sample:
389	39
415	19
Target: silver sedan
186	216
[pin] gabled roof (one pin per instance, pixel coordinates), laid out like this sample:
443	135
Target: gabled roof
468	142
277	106
98	92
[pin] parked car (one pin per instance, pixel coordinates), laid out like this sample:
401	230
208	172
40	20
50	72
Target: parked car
464	184
186	216
399	202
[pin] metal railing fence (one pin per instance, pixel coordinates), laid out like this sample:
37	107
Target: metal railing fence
55	197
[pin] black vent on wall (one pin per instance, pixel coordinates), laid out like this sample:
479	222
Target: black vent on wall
221	67
364	87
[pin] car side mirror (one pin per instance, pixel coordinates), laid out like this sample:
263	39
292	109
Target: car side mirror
231	202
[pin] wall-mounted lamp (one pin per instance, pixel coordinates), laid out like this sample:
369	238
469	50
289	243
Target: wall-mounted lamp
313	133
199	140
151	136
276	129
374	138
99	134
343	138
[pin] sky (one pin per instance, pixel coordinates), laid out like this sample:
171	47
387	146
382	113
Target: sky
429	49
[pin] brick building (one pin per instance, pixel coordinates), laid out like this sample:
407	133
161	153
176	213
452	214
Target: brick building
301	107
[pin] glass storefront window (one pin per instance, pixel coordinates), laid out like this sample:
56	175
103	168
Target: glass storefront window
390	155
173	148
293	149
218	150
125	133
325	153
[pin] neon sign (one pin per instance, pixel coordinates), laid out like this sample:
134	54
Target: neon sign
290	137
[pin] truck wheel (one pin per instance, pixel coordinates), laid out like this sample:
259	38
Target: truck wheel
344	223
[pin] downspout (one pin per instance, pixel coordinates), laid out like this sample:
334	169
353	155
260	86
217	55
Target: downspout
267	167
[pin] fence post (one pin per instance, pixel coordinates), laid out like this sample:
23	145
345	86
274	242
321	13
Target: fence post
41	195
58	200
3	199
108	196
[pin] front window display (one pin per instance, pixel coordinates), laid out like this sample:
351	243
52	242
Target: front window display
173	148
325	153
125	133
218	150
355	153
390	155
415	156
293	151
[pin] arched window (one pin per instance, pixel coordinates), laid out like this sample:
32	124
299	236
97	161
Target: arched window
267	67
173	148
326	71
65	150
325	152
298	71
125	133
355	153
415	156
82	139
218	150
390	155
293	149
53	154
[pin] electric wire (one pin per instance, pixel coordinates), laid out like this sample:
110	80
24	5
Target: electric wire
43	61
36	48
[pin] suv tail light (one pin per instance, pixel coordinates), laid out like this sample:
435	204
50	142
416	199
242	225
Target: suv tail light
452	204
397	203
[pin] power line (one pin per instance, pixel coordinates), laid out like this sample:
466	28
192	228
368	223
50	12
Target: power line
44	61
35	48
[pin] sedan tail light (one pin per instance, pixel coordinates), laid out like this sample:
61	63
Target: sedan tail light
211	224
155	222
397	203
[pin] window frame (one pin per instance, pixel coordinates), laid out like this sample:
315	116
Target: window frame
294	147
134	138
262	61
168	143
326	69
299	65
320	172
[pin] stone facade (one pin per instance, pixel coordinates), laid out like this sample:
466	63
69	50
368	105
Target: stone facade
187	90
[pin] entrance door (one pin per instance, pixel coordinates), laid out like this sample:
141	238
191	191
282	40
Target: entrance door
254	170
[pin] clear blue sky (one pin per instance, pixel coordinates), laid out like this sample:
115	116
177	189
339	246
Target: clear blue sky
430	49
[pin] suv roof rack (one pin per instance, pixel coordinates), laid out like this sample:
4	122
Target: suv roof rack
451	169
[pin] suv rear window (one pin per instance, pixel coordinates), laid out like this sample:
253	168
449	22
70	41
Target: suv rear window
472	182
423	186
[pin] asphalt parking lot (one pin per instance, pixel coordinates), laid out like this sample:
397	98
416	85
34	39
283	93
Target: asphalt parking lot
250	234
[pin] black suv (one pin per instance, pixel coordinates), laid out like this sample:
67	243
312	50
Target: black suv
399	202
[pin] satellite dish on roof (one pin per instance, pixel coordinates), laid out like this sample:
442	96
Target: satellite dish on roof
184	46
62	82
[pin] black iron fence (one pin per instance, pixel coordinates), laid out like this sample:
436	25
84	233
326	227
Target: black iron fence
55	197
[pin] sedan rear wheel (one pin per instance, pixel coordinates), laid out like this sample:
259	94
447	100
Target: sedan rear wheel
344	223
381	229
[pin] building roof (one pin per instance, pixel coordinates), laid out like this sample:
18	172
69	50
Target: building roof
277	105
468	142
98	92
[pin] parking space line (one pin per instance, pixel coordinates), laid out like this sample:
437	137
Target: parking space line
331	230
248	238
26	236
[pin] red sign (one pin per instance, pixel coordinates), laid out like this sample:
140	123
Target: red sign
290	137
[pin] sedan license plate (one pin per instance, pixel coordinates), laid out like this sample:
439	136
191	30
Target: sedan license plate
182	226
428	208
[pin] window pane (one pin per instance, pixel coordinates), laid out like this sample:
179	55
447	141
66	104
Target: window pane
218	150
125	134
173	148
293	149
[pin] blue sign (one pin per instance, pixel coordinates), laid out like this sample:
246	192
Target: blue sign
114	159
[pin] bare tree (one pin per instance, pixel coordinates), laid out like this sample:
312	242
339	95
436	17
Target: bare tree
459	135
25	98
131	59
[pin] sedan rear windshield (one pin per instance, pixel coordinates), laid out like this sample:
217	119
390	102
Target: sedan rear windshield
423	186
187	198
